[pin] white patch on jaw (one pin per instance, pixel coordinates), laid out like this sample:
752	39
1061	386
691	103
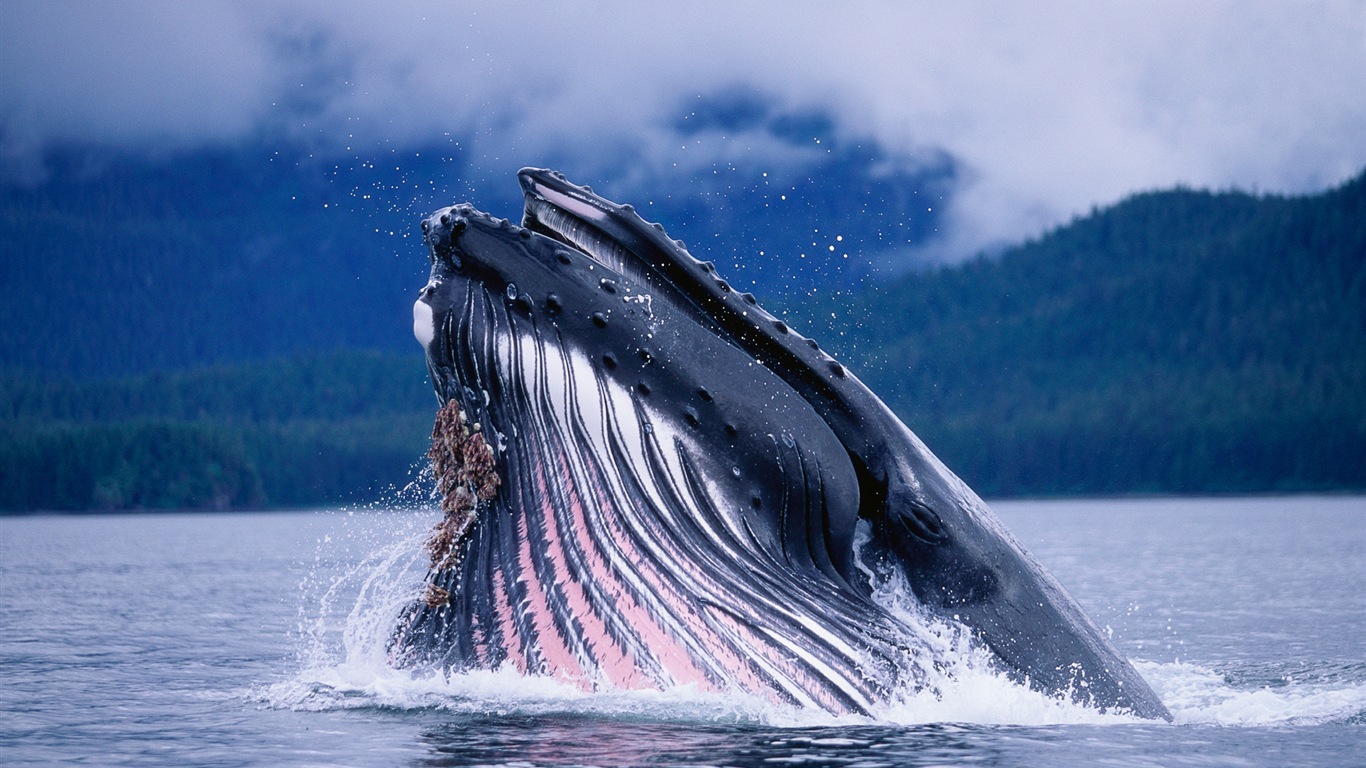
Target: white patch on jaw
423	327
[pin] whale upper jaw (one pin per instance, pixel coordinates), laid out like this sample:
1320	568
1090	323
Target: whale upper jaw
959	559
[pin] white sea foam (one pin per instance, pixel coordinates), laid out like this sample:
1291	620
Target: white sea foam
1197	694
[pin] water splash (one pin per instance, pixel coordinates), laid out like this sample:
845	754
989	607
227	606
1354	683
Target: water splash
962	681
372	566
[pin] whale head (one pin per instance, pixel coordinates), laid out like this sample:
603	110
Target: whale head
691	490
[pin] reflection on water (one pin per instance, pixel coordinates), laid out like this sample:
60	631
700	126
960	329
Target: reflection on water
569	740
251	640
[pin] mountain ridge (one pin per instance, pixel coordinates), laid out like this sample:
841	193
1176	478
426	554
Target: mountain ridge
1178	318
1179	341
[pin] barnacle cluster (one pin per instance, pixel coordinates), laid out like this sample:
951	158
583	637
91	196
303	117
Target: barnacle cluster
463	464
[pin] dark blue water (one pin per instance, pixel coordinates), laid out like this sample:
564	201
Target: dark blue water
257	639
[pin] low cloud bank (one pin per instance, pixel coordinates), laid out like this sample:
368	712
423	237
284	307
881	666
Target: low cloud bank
1015	118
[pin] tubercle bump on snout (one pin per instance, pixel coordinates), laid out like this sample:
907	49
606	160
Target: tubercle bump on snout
441	231
441	228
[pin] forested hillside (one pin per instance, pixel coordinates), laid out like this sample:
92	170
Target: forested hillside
1180	341
198	260
117	265
319	429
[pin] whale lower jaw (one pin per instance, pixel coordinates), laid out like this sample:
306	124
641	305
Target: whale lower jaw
609	558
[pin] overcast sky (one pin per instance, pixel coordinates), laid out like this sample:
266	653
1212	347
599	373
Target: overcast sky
1050	107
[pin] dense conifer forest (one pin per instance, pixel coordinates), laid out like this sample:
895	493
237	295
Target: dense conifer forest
333	428
1178	342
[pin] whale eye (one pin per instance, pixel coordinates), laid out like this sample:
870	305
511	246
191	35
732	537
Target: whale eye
552	304
645	356
610	361
599	319
690	416
643	388
704	394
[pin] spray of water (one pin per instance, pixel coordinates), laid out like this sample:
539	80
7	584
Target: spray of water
370	565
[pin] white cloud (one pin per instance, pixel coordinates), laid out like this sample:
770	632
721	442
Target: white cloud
116	72
1053	107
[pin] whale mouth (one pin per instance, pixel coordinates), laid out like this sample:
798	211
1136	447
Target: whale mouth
561	214
616	237
668	512
708	464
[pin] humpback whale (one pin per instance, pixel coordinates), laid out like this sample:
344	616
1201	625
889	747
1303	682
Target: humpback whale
650	481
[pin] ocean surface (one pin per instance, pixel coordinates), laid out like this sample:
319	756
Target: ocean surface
257	639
